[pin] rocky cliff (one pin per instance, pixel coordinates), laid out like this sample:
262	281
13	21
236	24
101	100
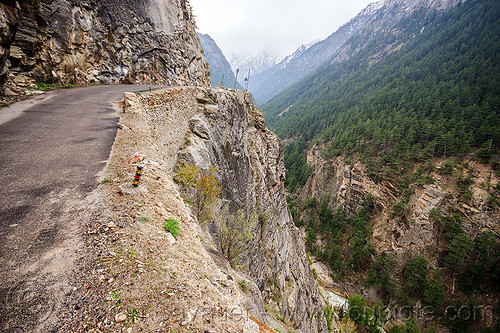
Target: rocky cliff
348	185
99	42
407	222
250	160
214	127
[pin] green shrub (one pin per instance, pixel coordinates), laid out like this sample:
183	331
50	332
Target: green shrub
244	284
206	185
328	312
235	231
143	218
434	292
380	275
311	203
357	309
415	275
446	168
458	248
172	226
106	181
187	176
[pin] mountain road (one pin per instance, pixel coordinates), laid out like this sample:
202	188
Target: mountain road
52	149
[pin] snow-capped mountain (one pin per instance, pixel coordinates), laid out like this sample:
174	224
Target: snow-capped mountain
256	63
300	50
308	57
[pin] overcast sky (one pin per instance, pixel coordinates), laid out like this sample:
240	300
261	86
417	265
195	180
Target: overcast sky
247	27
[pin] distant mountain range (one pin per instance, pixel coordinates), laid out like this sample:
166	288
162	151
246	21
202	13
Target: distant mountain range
419	81
219	66
307	58
256	63
408	104
269	74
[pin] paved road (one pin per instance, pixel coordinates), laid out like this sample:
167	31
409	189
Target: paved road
50	157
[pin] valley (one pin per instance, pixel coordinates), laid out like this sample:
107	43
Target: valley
353	187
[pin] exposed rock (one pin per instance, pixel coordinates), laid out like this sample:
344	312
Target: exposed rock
109	41
120	317
127	189
231	135
8	28
414	233
170	239
199	127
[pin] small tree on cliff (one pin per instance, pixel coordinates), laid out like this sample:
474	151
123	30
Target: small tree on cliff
235	231
203	187
207	192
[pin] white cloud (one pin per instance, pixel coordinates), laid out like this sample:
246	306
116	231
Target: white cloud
247	27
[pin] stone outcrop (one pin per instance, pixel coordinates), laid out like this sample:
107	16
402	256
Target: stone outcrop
224	129
250	161
414	233
101	42
8	28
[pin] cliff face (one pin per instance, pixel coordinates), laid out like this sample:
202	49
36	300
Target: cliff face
215	127
402	224
414	232
108	42
250	160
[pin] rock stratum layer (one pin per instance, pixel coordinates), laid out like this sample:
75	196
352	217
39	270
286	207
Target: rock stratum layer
99	42
413	231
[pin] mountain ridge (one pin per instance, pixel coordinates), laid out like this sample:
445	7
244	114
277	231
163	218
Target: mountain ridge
219	67
374	17
289	71
393	162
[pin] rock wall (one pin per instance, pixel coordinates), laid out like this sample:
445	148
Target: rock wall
8	28
414	233
250	161
102	42
224	129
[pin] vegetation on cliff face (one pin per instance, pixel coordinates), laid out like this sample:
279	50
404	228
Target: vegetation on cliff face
332	237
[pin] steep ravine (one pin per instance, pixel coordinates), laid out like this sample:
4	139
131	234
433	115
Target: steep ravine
250	160
413	231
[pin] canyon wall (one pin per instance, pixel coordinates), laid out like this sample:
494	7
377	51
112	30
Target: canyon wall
206	127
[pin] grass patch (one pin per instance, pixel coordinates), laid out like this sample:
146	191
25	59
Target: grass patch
172	226
47	86
244	284
143	219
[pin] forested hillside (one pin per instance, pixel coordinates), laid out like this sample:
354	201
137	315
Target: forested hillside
429	87
393	169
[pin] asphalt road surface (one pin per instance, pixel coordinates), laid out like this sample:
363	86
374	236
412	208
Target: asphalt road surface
52	148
